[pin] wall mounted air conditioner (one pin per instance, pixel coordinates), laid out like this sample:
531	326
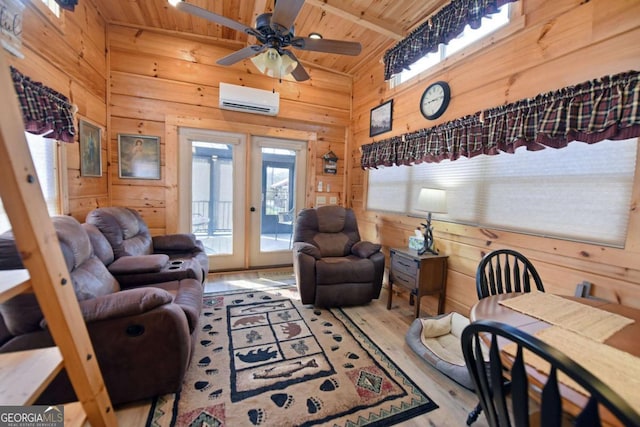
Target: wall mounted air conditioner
249	100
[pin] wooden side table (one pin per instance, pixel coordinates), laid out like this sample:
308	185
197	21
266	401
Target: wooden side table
421	274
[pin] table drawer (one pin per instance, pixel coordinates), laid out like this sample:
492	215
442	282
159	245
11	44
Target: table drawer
402	279
403	264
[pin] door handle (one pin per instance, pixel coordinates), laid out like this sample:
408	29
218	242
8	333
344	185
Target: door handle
252	209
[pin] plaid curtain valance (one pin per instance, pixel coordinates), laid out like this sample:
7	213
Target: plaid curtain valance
442	27
605	108
67	4
44	111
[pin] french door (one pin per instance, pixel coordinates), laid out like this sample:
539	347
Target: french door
243	215
277	177
211	193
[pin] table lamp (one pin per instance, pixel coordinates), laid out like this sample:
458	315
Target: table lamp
431	200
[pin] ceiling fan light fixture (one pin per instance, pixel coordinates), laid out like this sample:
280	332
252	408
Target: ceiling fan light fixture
274	33
288	65
268	61
273	64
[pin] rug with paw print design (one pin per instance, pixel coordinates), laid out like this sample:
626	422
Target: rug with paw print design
264	359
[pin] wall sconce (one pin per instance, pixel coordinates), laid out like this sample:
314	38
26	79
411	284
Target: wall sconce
430	200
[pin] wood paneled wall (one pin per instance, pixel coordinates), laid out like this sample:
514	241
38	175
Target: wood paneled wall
155	75
72	60
559	43
147	76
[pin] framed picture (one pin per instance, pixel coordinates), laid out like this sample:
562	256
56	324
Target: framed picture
138	156
381	118
90	149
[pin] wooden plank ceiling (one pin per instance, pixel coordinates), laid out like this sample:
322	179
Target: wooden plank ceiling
376	24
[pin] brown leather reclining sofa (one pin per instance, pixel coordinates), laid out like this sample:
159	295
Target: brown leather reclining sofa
143	336
175	256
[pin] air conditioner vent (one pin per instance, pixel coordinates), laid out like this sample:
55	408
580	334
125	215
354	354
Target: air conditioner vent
236	106
249	100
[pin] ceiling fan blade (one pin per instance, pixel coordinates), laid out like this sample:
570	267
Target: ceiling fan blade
214	17
299	73
285	13
326	45
241	54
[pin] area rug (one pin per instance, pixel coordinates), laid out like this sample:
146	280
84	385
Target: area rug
263	358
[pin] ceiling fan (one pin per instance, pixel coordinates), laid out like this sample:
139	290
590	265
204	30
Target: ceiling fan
275	34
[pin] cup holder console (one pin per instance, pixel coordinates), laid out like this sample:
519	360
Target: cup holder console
176	264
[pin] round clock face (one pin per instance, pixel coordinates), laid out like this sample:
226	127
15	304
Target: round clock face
435	100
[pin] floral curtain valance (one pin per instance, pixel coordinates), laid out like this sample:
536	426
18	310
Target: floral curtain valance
442	27
605	108
44	111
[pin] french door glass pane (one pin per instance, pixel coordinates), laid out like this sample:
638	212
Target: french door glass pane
278	171
212	196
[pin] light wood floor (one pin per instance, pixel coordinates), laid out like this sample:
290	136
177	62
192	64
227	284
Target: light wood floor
387	328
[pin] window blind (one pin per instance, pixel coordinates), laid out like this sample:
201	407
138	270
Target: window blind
581	192
45	159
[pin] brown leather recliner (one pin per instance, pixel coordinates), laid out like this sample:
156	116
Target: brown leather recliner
143	337
129	235
333	267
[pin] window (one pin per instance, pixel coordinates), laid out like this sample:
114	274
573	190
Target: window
581	192
468	37
44	153
53	7
50	10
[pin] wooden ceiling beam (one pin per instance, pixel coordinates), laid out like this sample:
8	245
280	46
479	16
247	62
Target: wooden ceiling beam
342	10
216	41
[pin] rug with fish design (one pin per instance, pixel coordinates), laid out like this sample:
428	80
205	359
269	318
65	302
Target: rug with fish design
264	359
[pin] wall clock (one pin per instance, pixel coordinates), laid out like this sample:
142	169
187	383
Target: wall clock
435	100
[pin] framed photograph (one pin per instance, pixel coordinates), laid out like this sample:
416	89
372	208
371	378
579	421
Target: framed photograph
381	118
90	149
138	156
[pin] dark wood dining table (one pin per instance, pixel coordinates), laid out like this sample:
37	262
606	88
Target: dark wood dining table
626	339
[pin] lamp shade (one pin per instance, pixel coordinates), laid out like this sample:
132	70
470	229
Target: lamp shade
273	64
432	200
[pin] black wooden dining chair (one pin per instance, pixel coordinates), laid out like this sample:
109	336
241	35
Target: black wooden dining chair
487	379
503	271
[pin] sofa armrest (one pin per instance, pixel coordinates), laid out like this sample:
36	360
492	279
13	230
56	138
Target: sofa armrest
175	242
125	303
305	256
365	249
307	249
138	264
